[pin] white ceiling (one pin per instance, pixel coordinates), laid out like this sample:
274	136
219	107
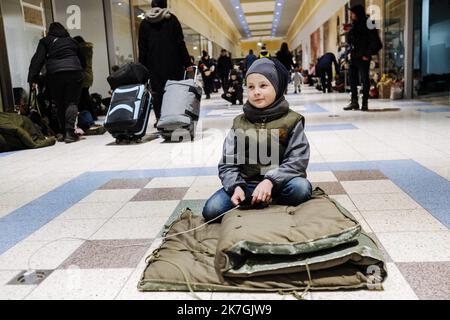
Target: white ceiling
259	15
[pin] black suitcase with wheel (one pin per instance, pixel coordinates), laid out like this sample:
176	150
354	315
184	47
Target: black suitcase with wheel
128	113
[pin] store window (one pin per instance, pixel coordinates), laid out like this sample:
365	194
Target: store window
25	23
122	31
431	47
192	39
394	40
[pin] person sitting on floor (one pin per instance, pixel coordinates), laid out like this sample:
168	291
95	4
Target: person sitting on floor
249	178
235	91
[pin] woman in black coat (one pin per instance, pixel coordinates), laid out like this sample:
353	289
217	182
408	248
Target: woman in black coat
162	50
64	63
285	57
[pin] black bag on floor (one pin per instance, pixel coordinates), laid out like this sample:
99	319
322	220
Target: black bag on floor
128	114
130	73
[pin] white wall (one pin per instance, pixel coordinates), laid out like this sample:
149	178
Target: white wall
92	30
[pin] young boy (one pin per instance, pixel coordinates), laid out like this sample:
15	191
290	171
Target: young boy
235	92
297	78
269	127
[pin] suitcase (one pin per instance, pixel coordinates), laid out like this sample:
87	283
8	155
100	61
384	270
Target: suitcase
180	109
128	113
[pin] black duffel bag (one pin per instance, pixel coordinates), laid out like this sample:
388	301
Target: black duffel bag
129	74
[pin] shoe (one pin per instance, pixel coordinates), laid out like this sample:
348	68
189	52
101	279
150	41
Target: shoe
208	97
71	137
354	105
365	106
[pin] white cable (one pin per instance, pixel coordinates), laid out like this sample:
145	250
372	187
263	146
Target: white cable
30	270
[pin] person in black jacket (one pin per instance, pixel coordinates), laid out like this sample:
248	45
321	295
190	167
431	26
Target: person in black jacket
285	57
360	52
64	63
162	50
207	68
224	66
324	70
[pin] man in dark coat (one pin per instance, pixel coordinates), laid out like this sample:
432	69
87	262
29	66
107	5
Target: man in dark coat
162	50
64	63
324	70
360	53
249	59
224	66
207	68
285	57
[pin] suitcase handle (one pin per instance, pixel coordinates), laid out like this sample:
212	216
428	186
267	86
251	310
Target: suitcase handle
195	75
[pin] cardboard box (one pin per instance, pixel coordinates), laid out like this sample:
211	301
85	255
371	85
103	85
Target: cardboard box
384	90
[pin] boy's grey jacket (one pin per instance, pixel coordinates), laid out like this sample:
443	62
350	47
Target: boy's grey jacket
293	164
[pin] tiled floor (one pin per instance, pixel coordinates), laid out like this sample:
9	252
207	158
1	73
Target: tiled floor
93	223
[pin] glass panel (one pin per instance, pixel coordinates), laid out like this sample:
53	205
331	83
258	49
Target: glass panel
139	8
25	23
122	31
431	49
192	39
394	42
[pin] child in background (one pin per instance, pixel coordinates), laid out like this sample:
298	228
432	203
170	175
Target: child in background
297	78
269	124
235	92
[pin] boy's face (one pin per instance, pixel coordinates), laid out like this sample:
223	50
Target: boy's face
233	77
261	93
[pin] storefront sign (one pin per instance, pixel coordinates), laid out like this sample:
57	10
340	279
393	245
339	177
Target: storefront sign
74	20
33	16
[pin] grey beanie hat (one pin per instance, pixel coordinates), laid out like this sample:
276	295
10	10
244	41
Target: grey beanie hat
267	68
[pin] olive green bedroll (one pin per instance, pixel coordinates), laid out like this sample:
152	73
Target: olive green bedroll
18	132
315	246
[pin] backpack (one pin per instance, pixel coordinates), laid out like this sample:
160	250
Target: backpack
375	42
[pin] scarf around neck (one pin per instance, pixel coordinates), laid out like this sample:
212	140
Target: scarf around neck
277	110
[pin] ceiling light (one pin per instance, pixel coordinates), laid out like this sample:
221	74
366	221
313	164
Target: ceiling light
241	17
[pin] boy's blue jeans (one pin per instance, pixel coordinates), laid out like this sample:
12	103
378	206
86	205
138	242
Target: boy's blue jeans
293	193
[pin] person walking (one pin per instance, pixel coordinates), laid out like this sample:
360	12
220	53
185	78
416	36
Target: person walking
285	57
224	66
64	63
206	67
249	59
264	53
162	50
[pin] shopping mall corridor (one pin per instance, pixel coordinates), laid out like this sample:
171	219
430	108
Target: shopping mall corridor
90	213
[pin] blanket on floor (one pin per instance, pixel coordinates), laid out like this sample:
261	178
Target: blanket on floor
315	246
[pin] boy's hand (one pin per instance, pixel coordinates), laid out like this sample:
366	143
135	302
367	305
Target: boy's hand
238	196
263	192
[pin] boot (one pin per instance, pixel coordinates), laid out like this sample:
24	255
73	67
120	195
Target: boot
71	137
354	105
365	106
